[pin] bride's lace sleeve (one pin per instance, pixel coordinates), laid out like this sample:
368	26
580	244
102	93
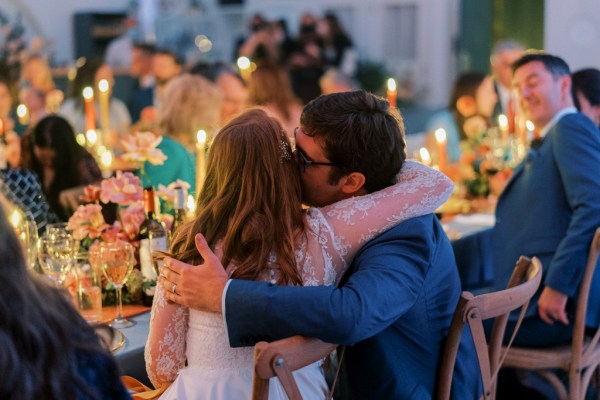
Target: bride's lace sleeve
420	190
165	350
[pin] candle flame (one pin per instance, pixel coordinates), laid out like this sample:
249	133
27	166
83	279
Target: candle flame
191	205
103	86
80	138
88	93
22	111
15	219
391	84
91	137
502	121
440	135
106	159
243	63
201	136
530	125
425	157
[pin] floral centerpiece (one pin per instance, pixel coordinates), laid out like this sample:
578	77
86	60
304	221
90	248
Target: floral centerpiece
125	192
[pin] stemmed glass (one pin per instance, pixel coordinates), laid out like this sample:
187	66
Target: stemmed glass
116	260
27	234
56	255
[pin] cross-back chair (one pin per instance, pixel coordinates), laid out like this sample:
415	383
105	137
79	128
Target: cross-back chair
280	358
473	310
581	358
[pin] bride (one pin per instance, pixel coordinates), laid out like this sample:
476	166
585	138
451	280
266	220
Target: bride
250	213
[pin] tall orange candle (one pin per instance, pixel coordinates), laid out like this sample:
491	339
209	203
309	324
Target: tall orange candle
440	137
90	112
392	92
104	101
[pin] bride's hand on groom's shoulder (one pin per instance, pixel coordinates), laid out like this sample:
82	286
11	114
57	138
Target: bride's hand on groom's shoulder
195	286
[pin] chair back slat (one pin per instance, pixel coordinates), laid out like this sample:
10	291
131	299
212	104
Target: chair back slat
524	282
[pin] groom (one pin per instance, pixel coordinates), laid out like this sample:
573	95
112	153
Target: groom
393	306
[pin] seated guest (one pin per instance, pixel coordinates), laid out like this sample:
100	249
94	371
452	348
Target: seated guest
270	87
231	84
586	92
48	350
190	103
141	70
36	73
59	161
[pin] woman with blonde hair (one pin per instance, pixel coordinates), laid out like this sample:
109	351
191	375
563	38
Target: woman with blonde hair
270	87
249	211
190	103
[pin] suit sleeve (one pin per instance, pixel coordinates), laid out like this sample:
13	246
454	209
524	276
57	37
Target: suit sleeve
386	281
577	155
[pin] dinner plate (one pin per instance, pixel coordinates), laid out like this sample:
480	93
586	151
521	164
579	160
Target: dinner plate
111	338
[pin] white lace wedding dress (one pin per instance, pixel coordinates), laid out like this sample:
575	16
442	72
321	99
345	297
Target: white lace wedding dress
336	232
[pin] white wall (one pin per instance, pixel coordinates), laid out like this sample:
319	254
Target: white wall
53	19
572	31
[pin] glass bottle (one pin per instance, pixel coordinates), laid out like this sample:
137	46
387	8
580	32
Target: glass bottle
178	208
153	237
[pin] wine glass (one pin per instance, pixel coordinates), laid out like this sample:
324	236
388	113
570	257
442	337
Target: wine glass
116	260
57	230
27	234
56	256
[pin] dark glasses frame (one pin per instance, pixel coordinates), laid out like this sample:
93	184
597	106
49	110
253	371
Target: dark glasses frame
304	160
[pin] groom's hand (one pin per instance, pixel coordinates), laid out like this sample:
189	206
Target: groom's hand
195	286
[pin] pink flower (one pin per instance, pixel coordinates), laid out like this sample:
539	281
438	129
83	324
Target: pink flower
141	147
91	194
87	221
123	189
167	193
131	218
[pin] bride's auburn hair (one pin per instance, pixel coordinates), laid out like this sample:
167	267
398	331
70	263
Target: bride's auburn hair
250	200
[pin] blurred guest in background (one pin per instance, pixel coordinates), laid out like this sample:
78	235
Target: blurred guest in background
504	53
141	70
586	92
270	87
261	45
335	81
59	161
36	73
165	66
232	86
337	45
8	100
48	350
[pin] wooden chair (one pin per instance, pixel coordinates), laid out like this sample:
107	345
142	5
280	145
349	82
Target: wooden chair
472	310
581	358
280	358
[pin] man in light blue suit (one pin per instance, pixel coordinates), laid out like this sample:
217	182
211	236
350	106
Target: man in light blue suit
394	305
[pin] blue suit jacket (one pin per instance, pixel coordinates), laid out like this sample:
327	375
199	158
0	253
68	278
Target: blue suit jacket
393	310
550	208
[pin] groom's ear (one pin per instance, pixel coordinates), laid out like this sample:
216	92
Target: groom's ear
354	183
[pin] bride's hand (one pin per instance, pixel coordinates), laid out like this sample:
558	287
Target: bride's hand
195	286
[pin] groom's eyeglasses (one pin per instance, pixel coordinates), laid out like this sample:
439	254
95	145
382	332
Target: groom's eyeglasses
303	160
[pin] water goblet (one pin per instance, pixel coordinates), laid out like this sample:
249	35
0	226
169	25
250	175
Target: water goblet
116	260
56	256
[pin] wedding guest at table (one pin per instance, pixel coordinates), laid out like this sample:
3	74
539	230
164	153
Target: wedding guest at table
558	178
190	103
399	292
36	73
504	53
231	84
59	161
48	350
468	114
586	93
8	101
73	110
165	66
141	70
270	87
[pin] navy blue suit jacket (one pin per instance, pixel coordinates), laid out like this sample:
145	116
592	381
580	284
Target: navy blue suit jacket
393	309
550	208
